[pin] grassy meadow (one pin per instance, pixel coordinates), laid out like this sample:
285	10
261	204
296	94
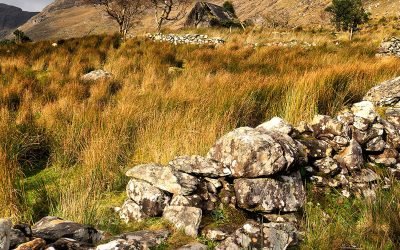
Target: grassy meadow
65	143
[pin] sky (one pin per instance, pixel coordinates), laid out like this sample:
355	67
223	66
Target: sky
28	5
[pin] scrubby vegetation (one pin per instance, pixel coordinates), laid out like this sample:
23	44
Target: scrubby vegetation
66	143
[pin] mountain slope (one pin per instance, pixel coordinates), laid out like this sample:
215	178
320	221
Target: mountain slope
74	18
11	18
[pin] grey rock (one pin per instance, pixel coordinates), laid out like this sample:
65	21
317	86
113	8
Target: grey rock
316	149
285	194
150	199
228	244
362	137
140	240
215	234
70	244
194	246
393	116
17	238
385	94
131	211
364	176
326	126
388	158
53	228
365	110
200	166
165	178
276	124
186	218
5	231
376	145
96	75
352	157
250	153
327	166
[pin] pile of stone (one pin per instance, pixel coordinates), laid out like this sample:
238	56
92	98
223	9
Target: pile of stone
287	44
390	47
258	170
185	39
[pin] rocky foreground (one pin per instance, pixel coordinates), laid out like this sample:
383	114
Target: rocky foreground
259	171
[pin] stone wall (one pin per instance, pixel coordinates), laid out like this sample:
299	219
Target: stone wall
185	39
261	171
390	47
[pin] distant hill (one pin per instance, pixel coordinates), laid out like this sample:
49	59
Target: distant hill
11	18
76	18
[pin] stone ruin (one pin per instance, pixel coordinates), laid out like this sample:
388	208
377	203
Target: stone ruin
260	172
390	47
195	39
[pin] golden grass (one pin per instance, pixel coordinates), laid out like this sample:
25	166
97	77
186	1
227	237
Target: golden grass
89	133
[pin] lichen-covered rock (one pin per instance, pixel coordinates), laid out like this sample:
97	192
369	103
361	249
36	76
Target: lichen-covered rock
276	124
185	218
250	153
194	246
5	231
365	175
35	244
316	149
131	211
200	166
393	134
69	244
165	178
327	166
285	194
150	199
363	137
385	94
326	127
136	241
215	234
376	145
352	157
388	158
53	228
274	236
365	110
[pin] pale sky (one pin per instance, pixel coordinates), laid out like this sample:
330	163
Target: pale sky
28	5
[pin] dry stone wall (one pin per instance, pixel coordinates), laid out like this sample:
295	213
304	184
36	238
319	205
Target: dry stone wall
390	47
262	171
185	39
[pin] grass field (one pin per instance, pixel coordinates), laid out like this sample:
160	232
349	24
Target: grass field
65	144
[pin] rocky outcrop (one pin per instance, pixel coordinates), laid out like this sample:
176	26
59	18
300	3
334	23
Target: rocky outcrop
11	18
390	47
5	234
185	39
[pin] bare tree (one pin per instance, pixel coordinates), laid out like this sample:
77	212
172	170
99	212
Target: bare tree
169	10
126	13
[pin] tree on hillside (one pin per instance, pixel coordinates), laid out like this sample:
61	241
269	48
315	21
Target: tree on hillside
20	37
347	15
126	13
169	10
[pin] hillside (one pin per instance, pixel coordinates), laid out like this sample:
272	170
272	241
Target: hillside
72	18
11	18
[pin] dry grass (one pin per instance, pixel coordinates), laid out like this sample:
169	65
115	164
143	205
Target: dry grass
65	144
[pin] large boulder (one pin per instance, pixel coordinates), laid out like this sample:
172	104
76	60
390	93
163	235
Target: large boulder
53	228
5	231
131	211
200	166
165	178
150	199
284	194
385	94
251	153
185	218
